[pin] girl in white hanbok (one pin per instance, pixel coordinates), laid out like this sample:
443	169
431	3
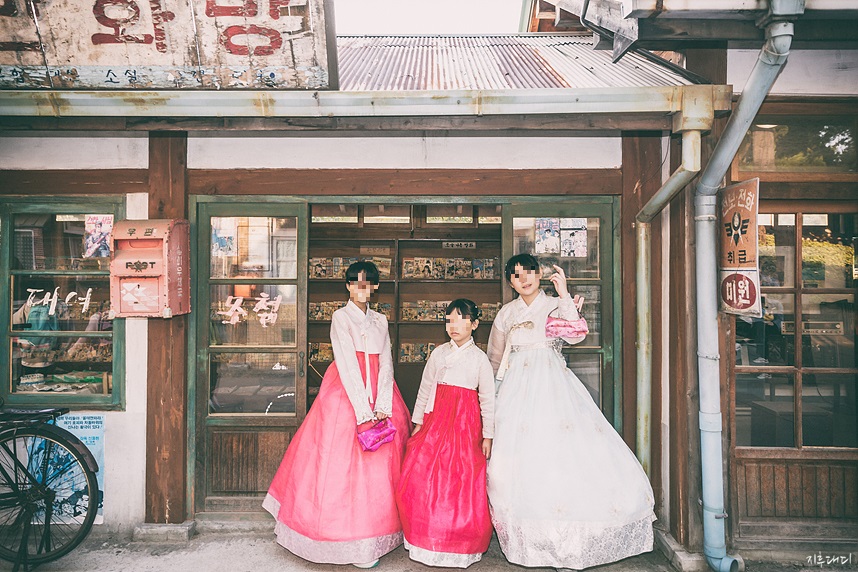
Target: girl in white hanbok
564	489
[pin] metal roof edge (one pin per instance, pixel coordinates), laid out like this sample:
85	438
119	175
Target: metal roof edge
91	103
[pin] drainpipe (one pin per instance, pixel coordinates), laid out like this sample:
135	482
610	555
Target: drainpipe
771	59
675	183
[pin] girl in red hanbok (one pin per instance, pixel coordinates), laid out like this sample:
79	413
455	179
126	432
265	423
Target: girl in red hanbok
442	492
334	501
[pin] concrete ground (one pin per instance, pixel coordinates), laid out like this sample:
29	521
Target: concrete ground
256	551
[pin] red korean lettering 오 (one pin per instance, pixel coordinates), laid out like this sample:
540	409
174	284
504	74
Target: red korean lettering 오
274	8
119	24
275	41
247	8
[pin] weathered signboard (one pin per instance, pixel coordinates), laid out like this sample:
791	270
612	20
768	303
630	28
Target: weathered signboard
739	269
166	44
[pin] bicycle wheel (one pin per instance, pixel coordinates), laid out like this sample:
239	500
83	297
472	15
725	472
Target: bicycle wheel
48	494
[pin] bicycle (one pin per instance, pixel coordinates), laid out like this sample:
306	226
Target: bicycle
48	488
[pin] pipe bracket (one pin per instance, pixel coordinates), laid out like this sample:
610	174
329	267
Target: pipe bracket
710	422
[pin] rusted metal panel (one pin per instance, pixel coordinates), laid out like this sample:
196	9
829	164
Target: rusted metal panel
384	63
157	44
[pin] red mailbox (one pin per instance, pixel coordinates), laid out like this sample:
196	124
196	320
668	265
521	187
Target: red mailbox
149	273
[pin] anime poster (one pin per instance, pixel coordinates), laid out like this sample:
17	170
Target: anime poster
89	428
547	236
224	236
573	237
97	236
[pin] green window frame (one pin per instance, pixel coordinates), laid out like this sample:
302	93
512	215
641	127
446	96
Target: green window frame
69	208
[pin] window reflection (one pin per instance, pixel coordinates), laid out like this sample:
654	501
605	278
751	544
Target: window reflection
765	415
253	383
828	243
829	404
768	340
253	314
254	247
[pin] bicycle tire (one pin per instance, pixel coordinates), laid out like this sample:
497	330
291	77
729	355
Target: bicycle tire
53	483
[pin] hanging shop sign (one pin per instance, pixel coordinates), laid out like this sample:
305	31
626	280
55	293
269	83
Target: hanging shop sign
739	262
165	44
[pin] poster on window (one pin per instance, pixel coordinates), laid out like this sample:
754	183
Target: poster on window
96	236
89	428
739	273
547	236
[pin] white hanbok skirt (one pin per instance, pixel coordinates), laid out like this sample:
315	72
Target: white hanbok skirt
564	488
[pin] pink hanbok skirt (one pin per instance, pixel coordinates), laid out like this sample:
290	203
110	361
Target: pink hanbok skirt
442	495
334	502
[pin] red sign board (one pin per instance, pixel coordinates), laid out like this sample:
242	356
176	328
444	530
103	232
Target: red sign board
739	261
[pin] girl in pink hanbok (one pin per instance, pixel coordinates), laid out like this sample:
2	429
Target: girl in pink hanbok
332	500
565	490
442	493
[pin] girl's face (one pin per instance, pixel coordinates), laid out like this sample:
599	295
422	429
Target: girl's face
460	328
525	281
361	290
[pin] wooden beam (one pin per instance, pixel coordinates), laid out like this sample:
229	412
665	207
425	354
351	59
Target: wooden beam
89	182
410	182
166	407
519	124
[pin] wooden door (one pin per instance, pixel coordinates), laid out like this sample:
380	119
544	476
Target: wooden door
249	389
580	236
794	445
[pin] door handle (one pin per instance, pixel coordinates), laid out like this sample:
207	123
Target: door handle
300	364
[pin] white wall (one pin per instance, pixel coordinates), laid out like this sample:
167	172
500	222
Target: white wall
270	152
71	150
807	72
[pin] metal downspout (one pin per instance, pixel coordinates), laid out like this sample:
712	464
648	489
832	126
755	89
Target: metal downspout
771	59
675	183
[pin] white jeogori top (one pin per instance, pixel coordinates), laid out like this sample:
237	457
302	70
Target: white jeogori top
466	366
353	331
518	312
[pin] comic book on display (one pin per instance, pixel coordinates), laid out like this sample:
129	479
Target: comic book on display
547	236
424	267
415	352
97	236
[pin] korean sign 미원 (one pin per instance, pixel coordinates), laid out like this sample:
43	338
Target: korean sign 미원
739	275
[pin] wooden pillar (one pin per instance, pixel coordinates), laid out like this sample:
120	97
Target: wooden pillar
642	174
166	410
686	519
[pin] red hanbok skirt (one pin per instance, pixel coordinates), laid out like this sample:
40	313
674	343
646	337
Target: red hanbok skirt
334	502
442	496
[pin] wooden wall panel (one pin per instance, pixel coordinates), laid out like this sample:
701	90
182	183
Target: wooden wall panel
408	182
84	181
270	450
799	491
232	462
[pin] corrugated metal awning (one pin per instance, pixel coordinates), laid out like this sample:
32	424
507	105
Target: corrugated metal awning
404	63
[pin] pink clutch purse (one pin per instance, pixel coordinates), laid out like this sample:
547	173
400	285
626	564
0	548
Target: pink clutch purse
380	433
566	329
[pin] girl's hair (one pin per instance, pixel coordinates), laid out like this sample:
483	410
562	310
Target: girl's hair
354	270
526	261
467	308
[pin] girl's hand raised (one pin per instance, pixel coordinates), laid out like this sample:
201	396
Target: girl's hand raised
487	448
417	427
559	281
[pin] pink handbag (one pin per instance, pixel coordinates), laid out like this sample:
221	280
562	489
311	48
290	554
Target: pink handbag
380	433
566	329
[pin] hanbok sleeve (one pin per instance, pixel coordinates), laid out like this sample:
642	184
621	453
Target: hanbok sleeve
486	390
427	382
349	369
497	342
568	311
384	401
